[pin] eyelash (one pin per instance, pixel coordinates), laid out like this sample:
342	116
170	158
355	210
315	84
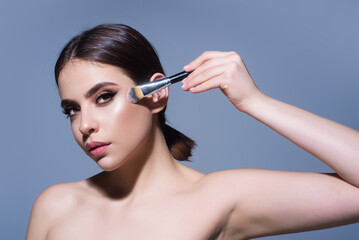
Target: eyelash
108	95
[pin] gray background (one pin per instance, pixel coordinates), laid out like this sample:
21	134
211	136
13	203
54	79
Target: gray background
302	52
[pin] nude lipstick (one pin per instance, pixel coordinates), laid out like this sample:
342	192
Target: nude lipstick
97	148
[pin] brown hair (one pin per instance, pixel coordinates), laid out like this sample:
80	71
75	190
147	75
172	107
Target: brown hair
124	47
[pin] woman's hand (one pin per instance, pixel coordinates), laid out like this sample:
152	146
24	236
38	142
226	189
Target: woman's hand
223	70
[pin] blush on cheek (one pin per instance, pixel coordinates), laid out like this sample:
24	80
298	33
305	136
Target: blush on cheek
130	123
127	127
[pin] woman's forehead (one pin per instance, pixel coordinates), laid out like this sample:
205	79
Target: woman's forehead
80	75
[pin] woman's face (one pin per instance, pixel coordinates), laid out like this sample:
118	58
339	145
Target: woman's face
94	96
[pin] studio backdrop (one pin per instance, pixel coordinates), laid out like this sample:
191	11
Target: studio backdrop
302	52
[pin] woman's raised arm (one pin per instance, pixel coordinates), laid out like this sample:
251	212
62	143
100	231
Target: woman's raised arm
334	144
265	202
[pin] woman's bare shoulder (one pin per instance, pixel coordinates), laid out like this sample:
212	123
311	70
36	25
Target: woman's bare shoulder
54	203
59	199
220	178
226	176
232	181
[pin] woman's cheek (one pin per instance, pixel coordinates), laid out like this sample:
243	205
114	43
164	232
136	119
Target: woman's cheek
129	122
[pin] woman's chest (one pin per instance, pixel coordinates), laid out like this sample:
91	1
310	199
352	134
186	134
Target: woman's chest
181	219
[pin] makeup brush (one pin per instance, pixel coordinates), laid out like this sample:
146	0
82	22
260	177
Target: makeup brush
135	94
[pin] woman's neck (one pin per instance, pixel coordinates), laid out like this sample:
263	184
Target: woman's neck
150	171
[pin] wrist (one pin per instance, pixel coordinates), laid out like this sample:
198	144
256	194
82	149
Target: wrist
253	103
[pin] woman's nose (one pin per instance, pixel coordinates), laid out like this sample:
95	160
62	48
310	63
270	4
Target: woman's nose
88	123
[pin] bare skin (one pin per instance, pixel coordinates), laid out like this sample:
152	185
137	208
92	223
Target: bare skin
144	193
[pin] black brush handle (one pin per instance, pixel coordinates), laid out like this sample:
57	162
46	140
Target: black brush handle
178	77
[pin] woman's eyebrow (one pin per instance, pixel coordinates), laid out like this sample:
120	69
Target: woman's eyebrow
89	93
98	86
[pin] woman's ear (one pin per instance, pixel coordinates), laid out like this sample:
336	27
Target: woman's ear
158	100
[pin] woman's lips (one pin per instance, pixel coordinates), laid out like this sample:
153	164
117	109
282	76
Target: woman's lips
97	148
98	151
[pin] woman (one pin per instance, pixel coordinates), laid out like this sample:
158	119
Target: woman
144	192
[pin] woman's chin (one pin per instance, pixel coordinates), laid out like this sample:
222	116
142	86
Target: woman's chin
107	164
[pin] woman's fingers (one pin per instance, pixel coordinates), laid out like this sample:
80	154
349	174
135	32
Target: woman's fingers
223	70
213	64
203	58
207	85
203	77
200	74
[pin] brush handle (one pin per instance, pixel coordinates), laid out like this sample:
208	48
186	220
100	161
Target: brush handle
152	87
178	77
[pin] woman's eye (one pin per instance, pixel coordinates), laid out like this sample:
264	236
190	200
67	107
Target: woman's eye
106	97
69	112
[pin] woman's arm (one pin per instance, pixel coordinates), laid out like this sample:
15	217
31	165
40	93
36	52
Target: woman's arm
265	202
334	144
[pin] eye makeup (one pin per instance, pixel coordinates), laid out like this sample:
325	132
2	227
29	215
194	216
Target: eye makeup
67	111
105	97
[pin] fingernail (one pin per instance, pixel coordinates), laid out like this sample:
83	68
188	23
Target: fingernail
186	67
184	80
184	86
191	89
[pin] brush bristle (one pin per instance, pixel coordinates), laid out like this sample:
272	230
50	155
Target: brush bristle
135	94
